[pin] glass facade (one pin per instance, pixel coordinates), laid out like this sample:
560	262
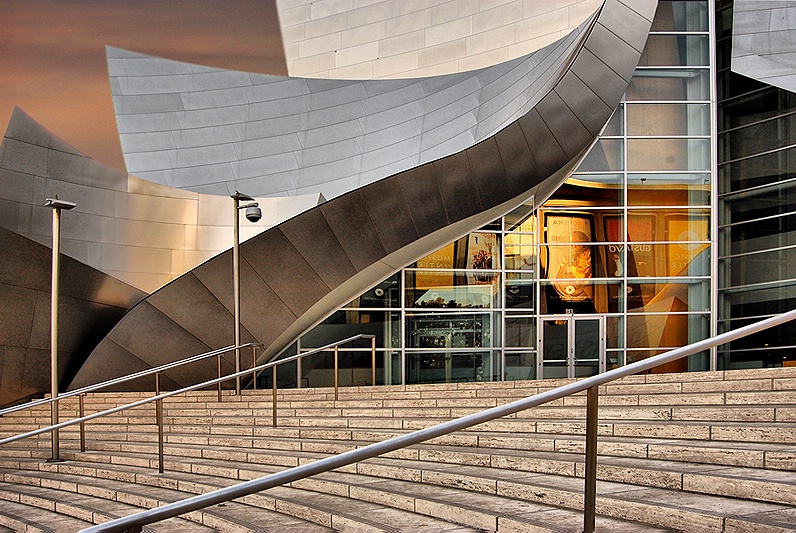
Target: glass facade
756	209
615	267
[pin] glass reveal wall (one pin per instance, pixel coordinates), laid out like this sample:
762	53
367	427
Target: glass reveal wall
757	209
616	266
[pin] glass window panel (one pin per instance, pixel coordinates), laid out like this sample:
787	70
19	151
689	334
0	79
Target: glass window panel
581	297
681	16
616	124
668	154
385	325
754	107
668	189
520	365
771	266
676	259
668	119
673	295
760	170
606	155
449	330
758	137
676	50
767	202
450	367
668	225
614	331
597	189
522	219
777	232
520	251
439	289
520	290
520	331
478	250
384	294
669	84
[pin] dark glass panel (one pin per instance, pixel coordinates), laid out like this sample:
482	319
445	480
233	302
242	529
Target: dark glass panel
681	16
760	170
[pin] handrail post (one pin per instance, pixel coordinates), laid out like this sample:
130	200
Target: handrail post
590	474
218	386
254	364
273	394
336	365
159	420
373	360
82	424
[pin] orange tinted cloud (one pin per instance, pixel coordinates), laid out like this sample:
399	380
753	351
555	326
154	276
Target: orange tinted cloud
53	66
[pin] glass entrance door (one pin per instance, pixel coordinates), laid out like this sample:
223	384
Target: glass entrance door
571	346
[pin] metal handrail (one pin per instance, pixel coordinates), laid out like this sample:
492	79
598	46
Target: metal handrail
123	379
136	521
161	396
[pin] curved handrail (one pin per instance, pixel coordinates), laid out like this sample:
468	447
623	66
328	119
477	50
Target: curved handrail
360	454
190	388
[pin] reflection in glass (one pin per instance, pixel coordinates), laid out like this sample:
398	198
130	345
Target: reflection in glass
520	365
668	119
438	330
668	154
385	325
384	294
606	155
759	170
681	16
668	189
673	295
520	251
669	84
520	331
520	290
600	189
452	289
676	51
450	367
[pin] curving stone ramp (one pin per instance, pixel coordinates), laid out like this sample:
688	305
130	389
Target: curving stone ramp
297	273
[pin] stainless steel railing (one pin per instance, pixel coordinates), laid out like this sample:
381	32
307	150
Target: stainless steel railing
159	397
134	523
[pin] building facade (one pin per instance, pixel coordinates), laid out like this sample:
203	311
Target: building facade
507	190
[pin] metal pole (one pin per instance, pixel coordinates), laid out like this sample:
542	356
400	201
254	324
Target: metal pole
236	288
254	364
335	372
373	361
159	420
273	394
590	475
57	205
82	424
218	385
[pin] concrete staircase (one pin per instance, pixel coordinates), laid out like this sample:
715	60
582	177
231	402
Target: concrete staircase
713	451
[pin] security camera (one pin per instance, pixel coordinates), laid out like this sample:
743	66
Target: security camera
254	213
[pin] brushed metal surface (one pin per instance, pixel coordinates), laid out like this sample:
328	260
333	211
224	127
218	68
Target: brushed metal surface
284	291
142	233
301	136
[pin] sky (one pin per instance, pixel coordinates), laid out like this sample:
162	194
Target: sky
53	65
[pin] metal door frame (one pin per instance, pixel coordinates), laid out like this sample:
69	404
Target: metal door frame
570	319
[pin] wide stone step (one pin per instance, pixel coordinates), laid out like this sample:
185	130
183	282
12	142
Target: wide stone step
280	509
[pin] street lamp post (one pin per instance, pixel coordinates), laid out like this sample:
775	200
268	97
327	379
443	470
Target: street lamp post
253	214
57	205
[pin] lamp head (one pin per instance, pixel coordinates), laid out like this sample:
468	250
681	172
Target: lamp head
55	203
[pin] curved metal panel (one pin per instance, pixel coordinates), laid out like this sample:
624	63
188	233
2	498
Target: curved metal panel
284	289
90	304
139	232
272	135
